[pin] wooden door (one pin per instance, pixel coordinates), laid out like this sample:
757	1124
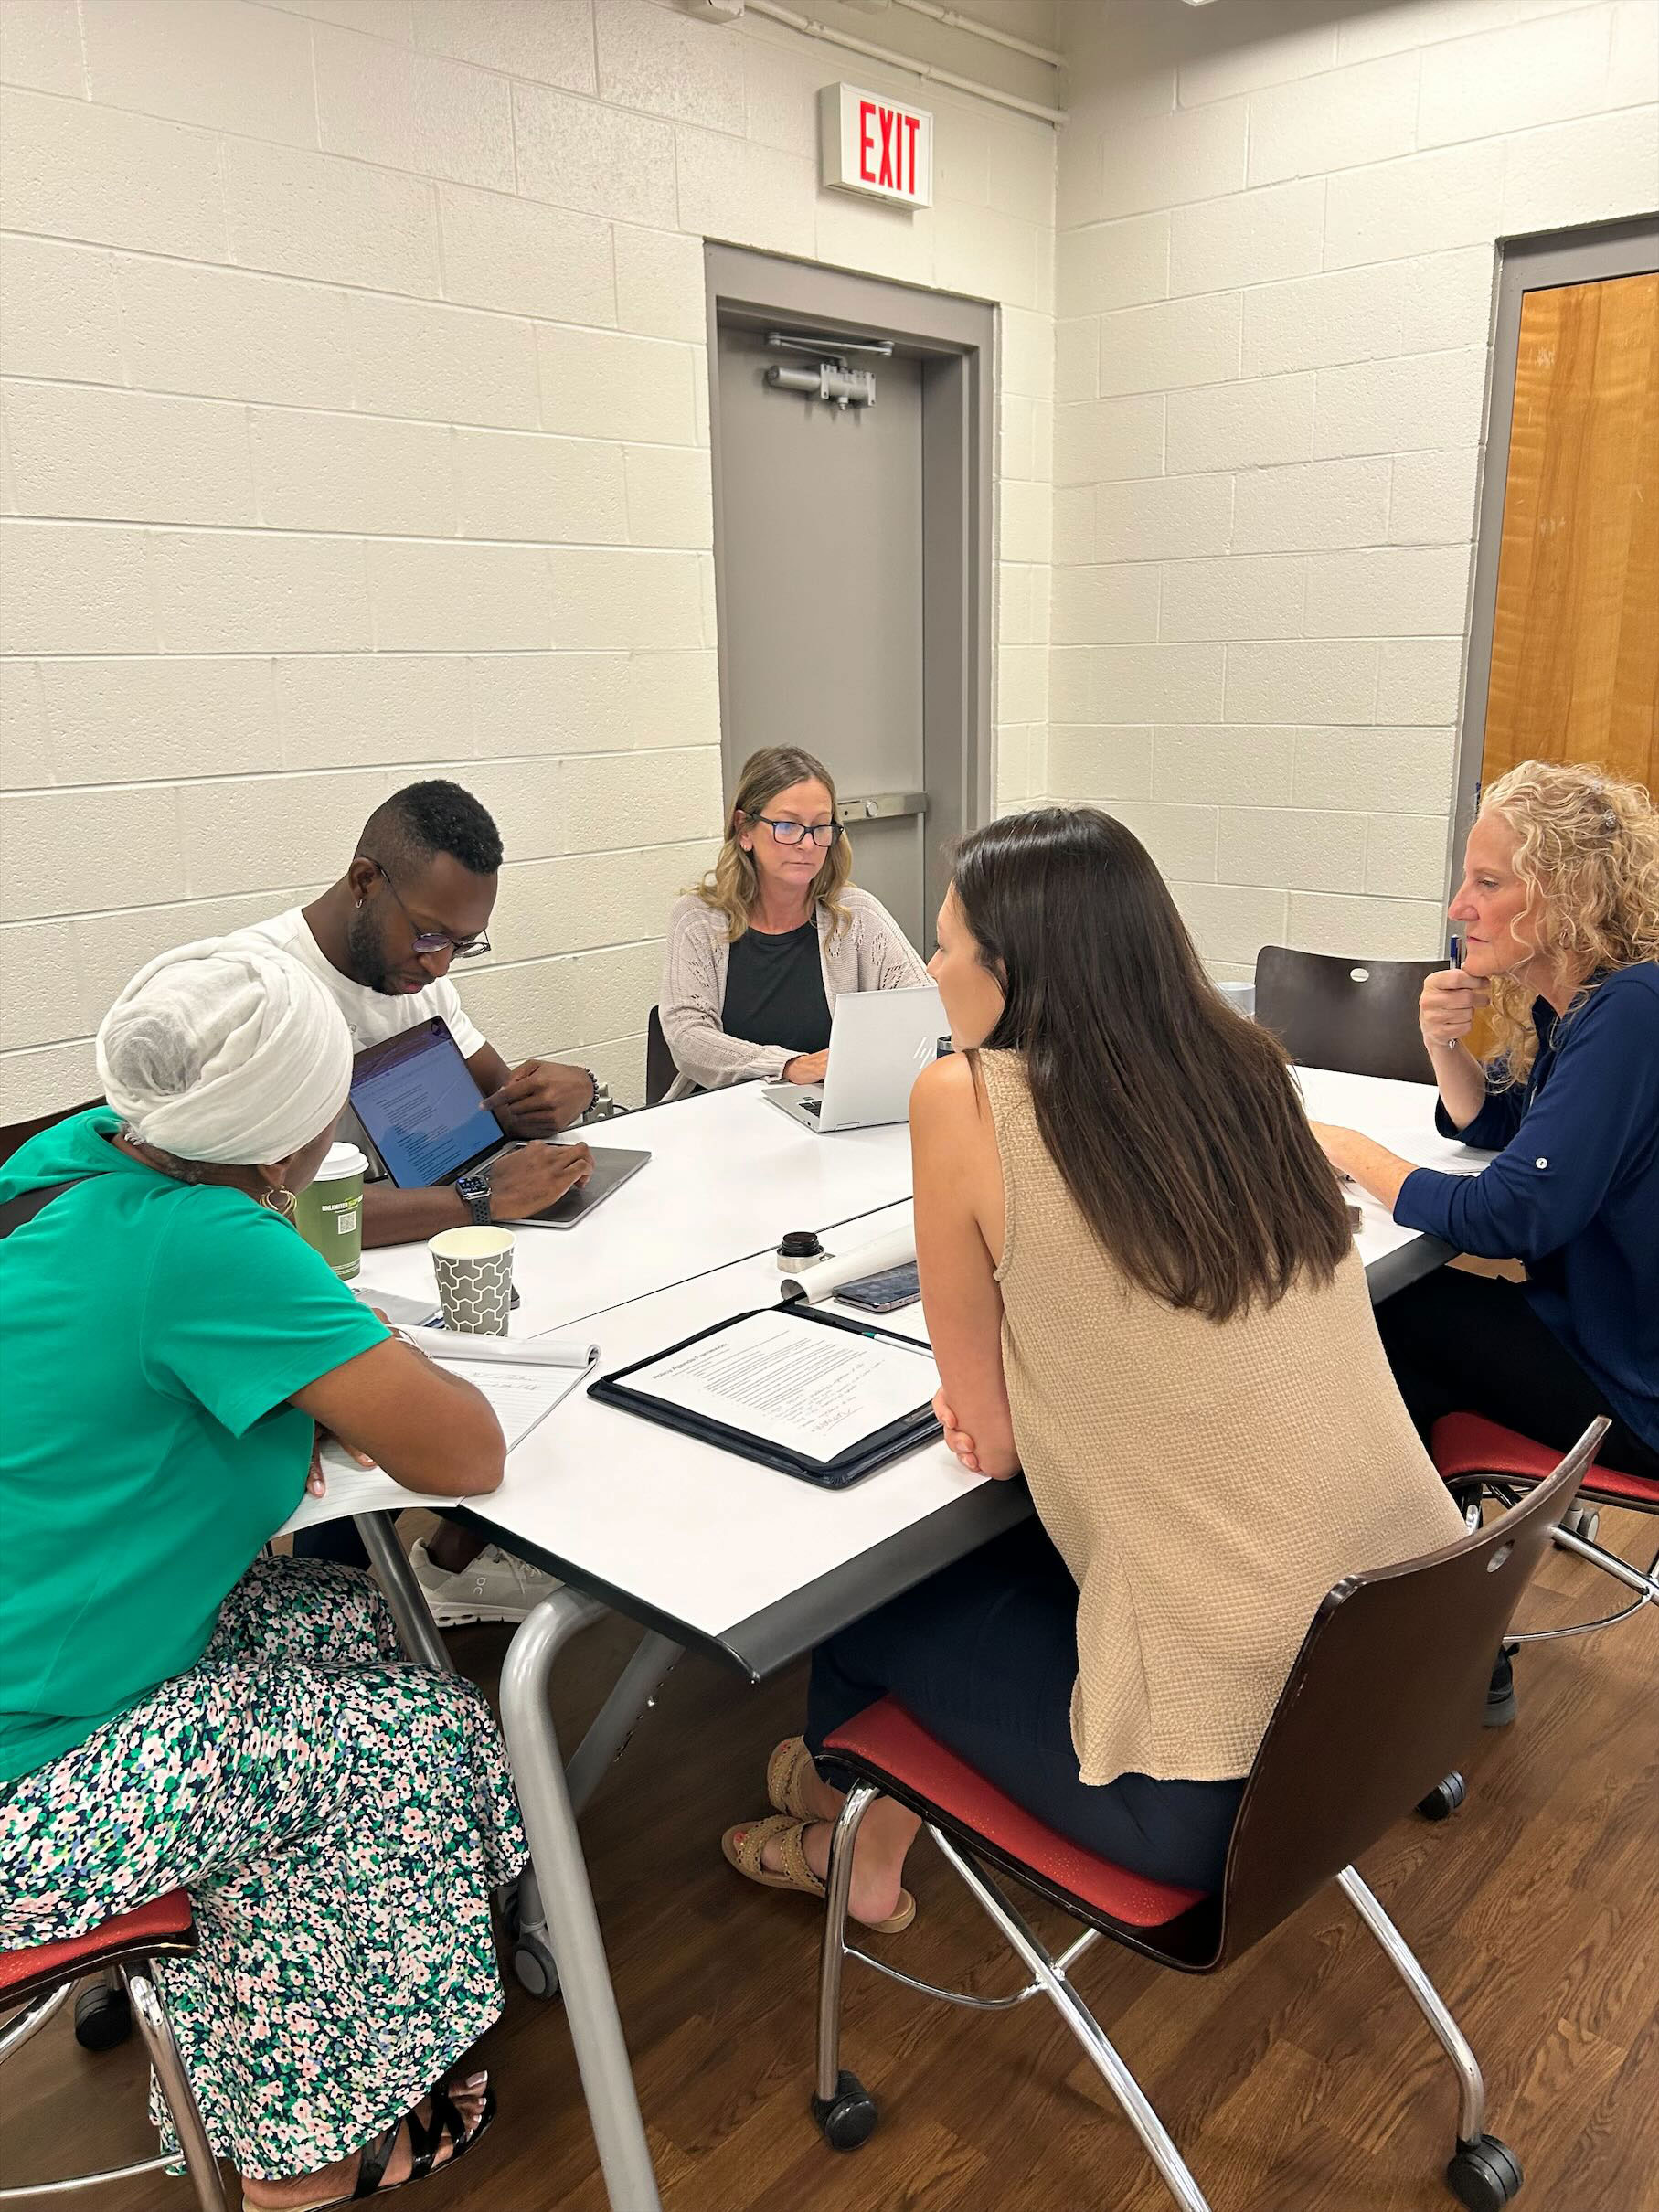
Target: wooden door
1574	644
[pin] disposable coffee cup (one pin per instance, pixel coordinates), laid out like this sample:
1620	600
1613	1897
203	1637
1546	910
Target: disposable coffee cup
475	1271
330	1212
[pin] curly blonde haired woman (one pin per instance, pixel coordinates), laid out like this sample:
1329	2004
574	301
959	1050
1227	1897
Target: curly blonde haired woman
760	952
1559	910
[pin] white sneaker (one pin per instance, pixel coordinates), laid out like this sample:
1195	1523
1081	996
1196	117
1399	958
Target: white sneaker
495	1587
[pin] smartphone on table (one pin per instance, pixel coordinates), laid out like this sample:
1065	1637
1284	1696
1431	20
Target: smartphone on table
887	1293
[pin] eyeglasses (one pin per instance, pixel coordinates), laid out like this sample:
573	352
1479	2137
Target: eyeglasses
796	833
428	941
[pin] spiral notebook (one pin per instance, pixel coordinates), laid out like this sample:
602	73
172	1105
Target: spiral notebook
523	1378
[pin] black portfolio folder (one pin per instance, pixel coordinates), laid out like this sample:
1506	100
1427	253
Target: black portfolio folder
888	1442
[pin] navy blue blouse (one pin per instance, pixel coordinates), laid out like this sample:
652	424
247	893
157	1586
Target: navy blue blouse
1574	1191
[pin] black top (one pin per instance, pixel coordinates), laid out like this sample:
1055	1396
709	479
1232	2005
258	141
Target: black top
775	990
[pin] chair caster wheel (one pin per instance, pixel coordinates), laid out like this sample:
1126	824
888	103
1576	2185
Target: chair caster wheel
1444	1798
1583	1521
1484	2176
103	2017
534	1965
849	2117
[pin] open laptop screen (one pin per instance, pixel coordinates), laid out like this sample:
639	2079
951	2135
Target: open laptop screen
415	1096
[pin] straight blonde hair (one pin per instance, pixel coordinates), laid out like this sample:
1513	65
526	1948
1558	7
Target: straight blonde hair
1587	849
733	884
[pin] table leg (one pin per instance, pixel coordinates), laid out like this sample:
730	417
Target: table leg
653	1656
417	1631
596	2029
608	1733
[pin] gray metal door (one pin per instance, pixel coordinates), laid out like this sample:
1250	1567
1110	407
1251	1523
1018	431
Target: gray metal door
822	549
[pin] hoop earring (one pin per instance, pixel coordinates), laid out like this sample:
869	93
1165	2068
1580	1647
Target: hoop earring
281	1200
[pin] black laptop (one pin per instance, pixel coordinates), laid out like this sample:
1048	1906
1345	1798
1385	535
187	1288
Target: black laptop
422	1112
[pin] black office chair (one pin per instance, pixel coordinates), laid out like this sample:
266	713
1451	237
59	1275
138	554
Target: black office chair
661	1074
1358	1017
1387	1691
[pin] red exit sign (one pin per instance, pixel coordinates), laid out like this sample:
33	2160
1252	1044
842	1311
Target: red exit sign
870	143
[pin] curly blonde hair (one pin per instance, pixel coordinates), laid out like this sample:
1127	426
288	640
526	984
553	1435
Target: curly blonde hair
733	884
1587	849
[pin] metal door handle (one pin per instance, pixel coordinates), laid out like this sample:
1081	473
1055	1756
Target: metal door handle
882	806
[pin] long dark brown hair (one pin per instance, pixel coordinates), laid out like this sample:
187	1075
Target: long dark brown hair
1175	1122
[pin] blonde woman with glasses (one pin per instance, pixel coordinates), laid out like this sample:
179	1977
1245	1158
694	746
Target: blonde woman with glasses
759	952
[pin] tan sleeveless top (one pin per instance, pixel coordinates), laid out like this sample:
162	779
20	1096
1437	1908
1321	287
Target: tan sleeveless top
1206	1481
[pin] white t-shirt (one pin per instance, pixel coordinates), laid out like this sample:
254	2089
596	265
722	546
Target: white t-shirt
370	1015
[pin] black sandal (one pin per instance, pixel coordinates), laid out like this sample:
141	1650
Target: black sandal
426	2139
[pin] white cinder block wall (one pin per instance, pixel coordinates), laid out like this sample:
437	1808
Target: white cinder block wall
1277	222
355	427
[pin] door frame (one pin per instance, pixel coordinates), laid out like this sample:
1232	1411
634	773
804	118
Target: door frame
955	339
1538	263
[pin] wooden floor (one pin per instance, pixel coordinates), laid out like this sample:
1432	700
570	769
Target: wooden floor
1301	2081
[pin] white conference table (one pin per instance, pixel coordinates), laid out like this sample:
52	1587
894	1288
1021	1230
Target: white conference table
727	1175
701	1547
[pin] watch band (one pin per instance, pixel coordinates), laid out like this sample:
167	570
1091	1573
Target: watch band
473	1191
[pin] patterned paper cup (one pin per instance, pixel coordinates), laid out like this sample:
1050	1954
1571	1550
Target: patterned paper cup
474	1270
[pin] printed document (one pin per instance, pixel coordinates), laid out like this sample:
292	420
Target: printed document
812	1390
523	1378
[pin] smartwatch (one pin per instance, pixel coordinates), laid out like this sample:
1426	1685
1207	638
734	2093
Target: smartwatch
473	1191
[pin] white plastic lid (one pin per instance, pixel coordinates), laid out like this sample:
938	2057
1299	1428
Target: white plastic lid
342	1160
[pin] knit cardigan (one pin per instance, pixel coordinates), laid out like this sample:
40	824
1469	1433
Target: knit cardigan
868	951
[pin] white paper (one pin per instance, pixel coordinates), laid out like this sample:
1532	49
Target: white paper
812	1390
399	1308
454	1349
1437	1152
523	1381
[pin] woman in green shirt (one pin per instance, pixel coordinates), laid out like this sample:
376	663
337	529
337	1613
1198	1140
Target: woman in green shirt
177	1711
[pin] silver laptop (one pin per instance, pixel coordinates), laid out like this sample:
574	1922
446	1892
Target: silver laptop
879	1043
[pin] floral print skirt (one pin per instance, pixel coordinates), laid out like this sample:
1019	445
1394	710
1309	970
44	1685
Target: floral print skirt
339	1818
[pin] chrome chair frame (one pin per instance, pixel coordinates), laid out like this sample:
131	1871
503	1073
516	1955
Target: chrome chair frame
200	2165
1050	1976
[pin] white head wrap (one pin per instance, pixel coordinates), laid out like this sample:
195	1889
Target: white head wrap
227	1050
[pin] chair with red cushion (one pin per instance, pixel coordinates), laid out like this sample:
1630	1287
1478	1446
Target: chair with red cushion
38	1983
1387	1690
1479	1458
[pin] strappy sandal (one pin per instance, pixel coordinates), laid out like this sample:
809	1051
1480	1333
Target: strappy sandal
427	2139
786	1774
744	1844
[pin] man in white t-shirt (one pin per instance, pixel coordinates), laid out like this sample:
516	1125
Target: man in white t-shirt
418	895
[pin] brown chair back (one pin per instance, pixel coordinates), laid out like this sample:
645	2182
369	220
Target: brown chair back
1357	1015
1388	1692
660	1069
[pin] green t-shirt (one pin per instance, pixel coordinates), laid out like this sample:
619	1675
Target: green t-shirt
150	1333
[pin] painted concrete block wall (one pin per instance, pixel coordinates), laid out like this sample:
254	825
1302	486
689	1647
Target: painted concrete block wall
1275	269
355	427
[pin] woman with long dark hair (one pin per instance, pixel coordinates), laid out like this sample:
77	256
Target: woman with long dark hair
1142	1290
